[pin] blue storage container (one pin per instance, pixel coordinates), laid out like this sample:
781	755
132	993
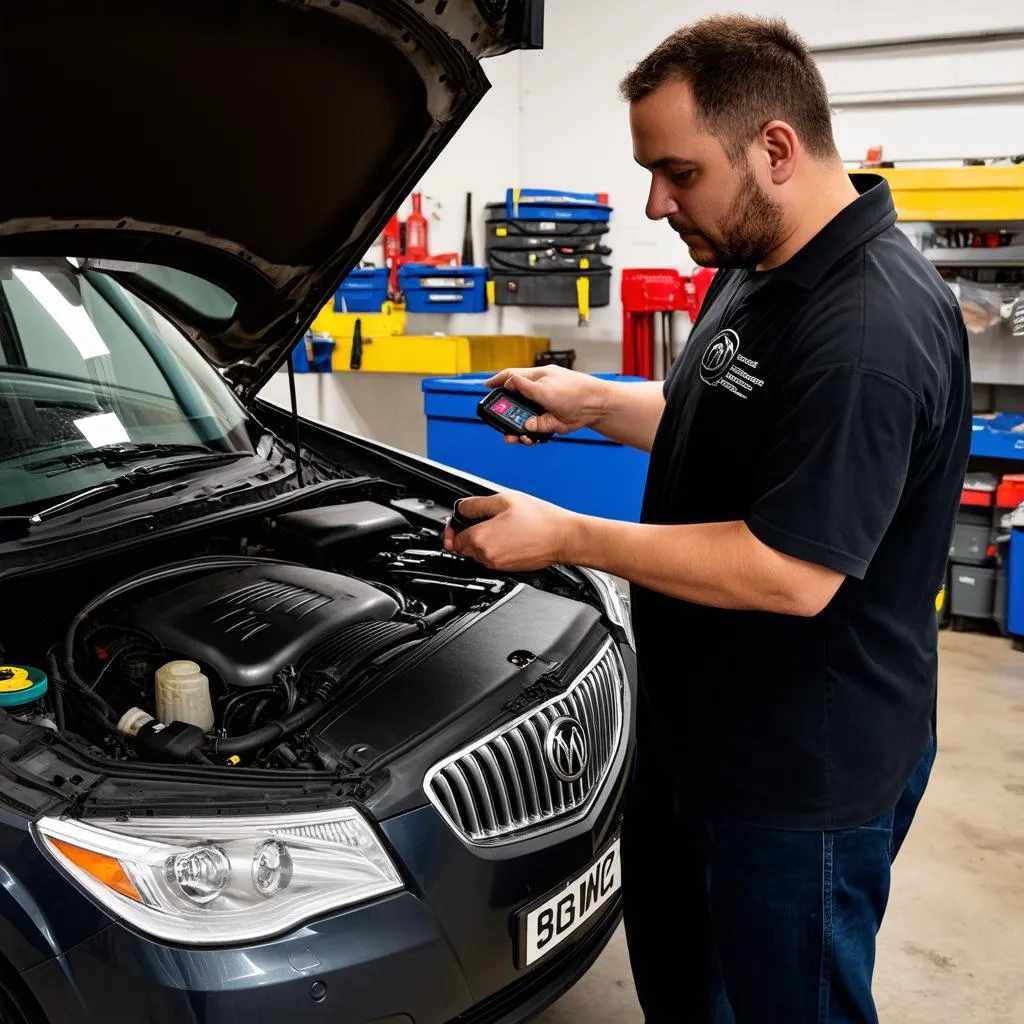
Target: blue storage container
583	471
554	205
365	290
443	289
1015	585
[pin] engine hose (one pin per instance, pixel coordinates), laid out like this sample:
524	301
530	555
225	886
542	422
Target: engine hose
435	618
164	572
267	733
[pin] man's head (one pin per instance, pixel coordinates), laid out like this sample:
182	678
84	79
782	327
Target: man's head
731	116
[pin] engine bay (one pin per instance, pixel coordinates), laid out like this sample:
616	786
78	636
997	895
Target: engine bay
233	648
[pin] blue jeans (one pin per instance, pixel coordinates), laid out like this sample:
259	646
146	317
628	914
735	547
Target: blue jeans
735	924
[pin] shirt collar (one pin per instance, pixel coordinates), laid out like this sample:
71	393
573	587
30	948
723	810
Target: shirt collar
867	216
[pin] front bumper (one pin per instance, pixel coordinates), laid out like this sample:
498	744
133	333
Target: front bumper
441	951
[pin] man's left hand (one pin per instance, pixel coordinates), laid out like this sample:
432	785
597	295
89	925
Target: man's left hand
517	533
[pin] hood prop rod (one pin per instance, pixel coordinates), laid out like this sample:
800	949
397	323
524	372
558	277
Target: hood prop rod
295	420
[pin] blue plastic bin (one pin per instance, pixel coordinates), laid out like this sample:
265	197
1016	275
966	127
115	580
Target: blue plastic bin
365	290
1000	436
443	289
583	471
552	204
323	351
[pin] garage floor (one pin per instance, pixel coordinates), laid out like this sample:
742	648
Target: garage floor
952	947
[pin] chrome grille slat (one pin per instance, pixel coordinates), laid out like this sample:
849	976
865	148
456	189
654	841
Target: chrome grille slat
458	776
503	805
503	752
484	802
502	787
450	800
528	775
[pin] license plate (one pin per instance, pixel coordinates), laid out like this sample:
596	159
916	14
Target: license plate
549	922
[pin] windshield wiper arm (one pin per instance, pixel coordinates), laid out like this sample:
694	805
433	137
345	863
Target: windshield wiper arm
118	454
13	527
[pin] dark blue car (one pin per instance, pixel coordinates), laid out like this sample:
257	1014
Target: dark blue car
267	751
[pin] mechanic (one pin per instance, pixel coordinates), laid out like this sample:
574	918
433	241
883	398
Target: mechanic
808	449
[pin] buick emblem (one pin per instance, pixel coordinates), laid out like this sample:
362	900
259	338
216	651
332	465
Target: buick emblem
566	749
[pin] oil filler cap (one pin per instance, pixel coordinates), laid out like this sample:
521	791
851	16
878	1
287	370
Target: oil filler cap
20	685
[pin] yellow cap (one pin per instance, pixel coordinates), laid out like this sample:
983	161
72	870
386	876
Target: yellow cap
234	759
14	678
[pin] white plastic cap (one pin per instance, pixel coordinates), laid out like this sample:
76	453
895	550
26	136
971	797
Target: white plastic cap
181	669
133	720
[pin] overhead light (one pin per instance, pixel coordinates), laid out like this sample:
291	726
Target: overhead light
73	320
103	428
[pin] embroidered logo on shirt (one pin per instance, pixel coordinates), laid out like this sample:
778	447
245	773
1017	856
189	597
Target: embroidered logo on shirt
718	365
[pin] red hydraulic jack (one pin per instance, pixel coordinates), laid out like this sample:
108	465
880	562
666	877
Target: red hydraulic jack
646	292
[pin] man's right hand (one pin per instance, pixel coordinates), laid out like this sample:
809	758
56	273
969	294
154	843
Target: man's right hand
572	400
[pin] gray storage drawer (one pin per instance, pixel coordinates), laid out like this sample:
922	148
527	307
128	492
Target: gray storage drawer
974	591
970	542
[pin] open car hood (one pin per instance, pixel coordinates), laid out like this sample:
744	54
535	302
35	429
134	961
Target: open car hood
259	145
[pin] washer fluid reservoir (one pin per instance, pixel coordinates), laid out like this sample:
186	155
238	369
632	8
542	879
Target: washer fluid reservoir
183	695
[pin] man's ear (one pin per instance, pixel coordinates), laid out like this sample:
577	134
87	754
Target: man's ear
780	146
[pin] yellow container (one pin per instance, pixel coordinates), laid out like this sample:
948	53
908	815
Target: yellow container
444	356
970	194
389	321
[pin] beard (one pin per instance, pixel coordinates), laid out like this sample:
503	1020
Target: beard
753	230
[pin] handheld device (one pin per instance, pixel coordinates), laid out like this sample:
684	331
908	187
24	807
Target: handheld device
508	411
459	521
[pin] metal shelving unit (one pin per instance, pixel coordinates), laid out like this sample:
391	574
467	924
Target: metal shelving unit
1001	256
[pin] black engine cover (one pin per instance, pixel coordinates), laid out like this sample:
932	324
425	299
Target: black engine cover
247	623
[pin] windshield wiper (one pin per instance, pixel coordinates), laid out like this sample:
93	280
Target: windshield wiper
13	527
119	454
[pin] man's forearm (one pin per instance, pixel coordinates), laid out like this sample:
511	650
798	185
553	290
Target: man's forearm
631	412
718	564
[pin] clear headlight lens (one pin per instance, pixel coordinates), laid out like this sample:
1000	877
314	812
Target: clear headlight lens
614	602
202	881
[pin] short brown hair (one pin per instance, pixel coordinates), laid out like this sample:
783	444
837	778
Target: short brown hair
744	72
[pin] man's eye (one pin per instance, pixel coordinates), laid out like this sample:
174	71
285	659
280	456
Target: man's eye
683	177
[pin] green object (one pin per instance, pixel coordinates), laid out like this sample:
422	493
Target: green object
20	685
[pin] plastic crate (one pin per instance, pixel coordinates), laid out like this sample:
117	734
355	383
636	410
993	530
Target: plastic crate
365	290
582	471
443	289
1011	491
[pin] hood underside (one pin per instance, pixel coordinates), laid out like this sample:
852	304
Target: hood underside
259	145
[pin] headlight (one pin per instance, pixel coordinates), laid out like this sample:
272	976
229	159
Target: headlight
614	602
203	881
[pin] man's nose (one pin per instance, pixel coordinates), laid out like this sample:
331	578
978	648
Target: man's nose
660	203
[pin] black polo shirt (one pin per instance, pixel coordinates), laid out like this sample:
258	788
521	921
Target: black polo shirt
827	404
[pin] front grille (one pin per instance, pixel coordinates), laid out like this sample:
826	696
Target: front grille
508	783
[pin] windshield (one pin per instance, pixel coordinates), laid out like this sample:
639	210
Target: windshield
84	365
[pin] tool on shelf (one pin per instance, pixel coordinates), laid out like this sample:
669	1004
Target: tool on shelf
467	234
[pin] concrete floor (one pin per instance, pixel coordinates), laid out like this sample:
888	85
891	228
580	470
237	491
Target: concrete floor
952	945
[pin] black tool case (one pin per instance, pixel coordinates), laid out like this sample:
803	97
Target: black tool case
550	287
504	233
548	260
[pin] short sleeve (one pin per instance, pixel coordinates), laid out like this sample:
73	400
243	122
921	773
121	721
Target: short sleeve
835	467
